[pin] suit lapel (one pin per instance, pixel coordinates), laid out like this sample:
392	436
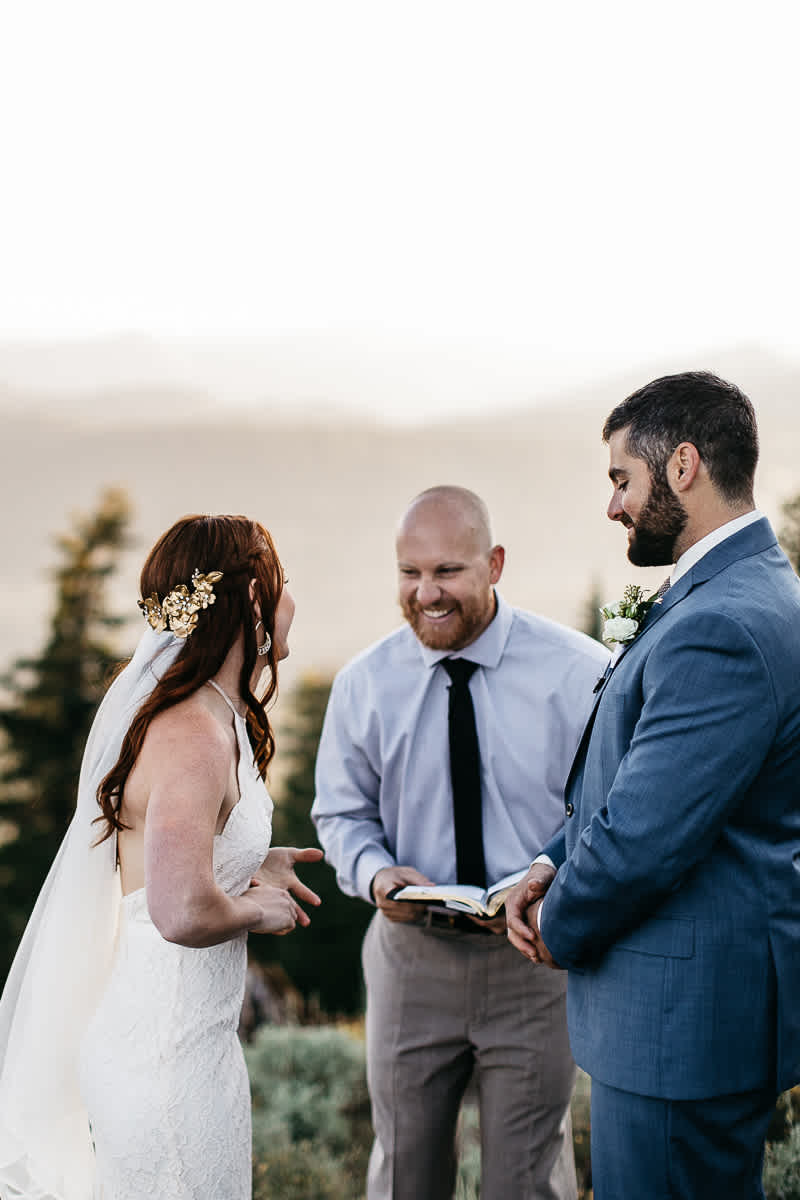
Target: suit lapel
583	745
753	539
669	600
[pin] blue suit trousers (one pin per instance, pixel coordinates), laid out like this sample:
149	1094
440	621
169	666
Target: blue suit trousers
645	1148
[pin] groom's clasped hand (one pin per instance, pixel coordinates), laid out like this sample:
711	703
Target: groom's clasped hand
522	914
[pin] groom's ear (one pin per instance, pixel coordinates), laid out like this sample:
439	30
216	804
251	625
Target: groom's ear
683	466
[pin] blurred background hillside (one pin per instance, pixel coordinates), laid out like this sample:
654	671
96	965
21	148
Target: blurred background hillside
329	484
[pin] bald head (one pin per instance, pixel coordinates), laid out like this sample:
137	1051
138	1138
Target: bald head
452	506
447	567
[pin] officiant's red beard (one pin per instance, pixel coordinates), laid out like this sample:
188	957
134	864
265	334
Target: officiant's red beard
463	622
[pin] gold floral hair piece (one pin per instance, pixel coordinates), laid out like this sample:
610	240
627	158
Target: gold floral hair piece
178	610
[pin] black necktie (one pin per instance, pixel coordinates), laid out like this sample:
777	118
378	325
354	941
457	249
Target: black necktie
465	773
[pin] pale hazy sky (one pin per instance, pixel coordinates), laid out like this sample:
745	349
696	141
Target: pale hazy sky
579	184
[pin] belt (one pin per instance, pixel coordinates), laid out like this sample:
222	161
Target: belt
450	922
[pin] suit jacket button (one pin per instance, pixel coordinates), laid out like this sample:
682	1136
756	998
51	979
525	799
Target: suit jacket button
569	809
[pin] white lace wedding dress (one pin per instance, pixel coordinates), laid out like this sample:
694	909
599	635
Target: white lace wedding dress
161	1068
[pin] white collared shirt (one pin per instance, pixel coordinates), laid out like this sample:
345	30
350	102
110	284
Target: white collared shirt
693	555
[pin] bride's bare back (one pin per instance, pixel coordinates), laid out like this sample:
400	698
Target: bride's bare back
156	764
184	787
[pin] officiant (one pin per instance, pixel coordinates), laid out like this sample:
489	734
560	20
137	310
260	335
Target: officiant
443	758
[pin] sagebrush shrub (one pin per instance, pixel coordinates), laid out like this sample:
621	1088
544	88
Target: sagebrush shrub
311	1130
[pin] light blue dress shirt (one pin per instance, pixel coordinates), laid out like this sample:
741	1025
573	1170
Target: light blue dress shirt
383	793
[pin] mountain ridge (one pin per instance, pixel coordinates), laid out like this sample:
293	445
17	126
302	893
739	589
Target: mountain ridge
331	496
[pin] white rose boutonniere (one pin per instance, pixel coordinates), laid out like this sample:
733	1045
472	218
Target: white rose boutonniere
620	629
623	619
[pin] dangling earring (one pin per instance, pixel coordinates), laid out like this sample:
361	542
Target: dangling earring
263	649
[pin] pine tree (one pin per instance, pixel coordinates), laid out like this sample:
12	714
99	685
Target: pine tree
53	699
790	531
324	960
592	618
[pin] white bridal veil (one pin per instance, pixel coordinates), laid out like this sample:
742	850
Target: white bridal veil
61	967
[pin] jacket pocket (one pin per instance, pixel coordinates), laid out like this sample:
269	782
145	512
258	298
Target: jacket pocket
668	937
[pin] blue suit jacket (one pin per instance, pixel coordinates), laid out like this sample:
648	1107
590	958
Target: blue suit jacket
677	904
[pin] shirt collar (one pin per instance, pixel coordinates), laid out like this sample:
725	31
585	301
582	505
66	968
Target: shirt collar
486	650
693	555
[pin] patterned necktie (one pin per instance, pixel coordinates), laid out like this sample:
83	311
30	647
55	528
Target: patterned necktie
663	589
465	773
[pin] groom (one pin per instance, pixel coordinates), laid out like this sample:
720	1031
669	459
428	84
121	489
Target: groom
676	904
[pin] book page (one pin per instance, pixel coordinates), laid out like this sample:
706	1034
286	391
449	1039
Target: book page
463	892
462	897
506	883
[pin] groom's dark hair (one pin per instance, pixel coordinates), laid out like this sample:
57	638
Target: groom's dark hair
697	407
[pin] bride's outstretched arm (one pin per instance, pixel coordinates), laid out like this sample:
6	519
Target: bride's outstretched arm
187	759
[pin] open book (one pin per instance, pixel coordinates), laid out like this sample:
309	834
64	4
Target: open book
461	896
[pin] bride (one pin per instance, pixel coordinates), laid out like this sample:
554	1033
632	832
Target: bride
121	1075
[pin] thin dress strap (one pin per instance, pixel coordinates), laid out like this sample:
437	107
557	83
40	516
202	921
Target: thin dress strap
226	698
240	730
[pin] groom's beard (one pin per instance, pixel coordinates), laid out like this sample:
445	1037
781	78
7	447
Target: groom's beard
661	521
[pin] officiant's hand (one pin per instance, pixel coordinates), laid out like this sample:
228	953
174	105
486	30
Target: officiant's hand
278	871
408	912
497	924
522	904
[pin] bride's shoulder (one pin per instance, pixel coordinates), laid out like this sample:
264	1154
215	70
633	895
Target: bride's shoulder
189	729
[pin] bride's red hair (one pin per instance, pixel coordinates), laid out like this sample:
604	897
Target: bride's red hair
243	550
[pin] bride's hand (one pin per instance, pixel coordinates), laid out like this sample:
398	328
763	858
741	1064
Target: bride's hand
279	912
278	870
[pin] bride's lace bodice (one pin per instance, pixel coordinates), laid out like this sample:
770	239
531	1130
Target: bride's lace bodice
162	1071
